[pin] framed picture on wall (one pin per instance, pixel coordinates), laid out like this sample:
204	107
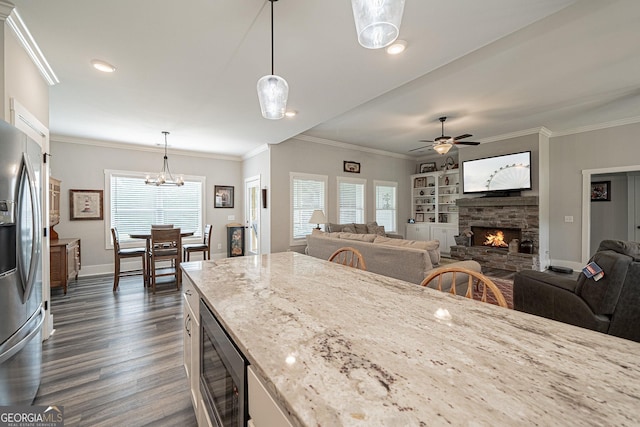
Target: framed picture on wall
85	204
601	191
223	196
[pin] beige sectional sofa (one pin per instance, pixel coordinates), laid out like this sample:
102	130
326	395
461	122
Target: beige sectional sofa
407	260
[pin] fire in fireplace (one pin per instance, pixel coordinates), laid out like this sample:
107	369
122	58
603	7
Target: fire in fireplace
494	237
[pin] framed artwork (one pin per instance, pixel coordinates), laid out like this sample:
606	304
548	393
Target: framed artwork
223	196
419	217
352	167
601	191
420	182
85	204
428	167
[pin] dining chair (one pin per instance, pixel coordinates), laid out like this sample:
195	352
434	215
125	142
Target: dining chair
479	286
204	247
120	253
350	257
161	225
165	247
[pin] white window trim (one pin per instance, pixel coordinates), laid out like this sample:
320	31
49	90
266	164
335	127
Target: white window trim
309	176
375	210
107	203
363	182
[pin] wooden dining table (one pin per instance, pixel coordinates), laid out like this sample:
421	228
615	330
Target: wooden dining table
147	238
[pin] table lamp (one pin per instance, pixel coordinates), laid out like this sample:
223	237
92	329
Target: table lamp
317	217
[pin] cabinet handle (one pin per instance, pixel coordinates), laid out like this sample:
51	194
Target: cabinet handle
188	292
187	324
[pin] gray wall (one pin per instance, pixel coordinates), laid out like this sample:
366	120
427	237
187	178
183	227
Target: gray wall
609	219
82	166
308	157
569	156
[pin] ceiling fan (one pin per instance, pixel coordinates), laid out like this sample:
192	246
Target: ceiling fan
443	143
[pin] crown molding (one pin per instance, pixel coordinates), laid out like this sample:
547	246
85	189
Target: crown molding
605	125
139	147
30	46
5	9
533	131
308	138
255	151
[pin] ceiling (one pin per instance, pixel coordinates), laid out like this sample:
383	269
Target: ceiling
495	68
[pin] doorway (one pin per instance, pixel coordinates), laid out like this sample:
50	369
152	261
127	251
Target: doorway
252	214
590	216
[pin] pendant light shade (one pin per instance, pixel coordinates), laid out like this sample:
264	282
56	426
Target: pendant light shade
272	94
377	21
273	90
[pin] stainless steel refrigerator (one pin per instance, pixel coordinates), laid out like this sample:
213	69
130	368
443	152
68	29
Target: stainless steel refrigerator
21	311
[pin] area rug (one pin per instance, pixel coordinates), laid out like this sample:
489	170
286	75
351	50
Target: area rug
505	286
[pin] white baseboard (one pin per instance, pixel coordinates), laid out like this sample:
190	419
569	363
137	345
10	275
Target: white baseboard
101	269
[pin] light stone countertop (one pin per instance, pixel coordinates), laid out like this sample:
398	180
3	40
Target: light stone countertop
341	347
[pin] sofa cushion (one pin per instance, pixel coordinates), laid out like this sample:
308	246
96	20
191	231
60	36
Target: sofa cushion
337	228
374	228
360	228
631	249
431	246
359	237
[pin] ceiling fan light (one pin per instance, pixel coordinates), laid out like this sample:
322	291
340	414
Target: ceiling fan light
273	92
442	148
377	21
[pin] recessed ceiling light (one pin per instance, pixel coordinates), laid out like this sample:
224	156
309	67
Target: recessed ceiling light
103	66
398	47
291	113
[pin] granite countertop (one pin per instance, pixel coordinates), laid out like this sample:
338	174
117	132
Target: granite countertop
341	347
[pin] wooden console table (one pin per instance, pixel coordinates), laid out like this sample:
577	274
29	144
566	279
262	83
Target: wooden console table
64	261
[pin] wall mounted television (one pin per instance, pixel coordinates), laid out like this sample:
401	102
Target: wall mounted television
497	175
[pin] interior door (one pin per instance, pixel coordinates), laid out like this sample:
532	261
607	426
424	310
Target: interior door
252	215
637	208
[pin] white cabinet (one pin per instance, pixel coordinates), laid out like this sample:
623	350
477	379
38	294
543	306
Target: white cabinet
434	195
418	232
445	234
191	338
263	410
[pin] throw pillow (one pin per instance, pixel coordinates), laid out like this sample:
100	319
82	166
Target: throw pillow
374	228
361	228
347	229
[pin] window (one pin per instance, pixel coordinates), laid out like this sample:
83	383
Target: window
134	205
386	204
351	200
308	192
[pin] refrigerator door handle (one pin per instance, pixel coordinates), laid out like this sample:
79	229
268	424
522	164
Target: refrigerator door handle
35	218
6	355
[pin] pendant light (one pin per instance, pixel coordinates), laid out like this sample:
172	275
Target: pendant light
272	90
442	147
377	21
165	177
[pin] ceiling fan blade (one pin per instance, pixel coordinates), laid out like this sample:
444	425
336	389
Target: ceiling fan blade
425	140
466	143
420	148
466	135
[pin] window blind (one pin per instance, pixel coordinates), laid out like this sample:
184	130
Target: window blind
350	202
307	195
135	206
386	205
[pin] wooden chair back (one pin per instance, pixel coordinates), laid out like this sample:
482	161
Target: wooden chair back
350	257
478	280
166	245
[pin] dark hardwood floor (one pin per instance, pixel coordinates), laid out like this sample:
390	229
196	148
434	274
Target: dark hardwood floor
116	359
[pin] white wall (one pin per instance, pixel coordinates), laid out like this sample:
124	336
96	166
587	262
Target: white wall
297	155
82	166
259	165
569	156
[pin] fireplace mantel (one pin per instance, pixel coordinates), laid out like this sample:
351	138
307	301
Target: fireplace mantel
498	201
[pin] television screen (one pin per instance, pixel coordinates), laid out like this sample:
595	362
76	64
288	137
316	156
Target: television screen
510	172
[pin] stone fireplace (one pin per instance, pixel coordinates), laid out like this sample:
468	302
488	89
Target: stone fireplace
496	221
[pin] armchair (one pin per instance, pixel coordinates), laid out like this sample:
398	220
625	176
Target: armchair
610	305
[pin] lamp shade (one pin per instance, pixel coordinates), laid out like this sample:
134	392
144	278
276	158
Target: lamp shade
273	92
317	217
442	148
377	21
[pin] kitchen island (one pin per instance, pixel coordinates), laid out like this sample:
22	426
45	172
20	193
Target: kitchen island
336	346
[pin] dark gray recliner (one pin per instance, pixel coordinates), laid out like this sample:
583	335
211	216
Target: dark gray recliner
610	305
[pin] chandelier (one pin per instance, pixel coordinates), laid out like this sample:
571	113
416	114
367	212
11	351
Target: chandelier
165	177
377	21
273	90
